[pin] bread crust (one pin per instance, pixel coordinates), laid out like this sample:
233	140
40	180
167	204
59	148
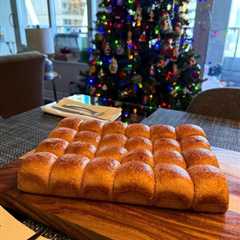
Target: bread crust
114	152
211	189
187	130
158	165
66	175
134	183
33	175
171	157
200	156
138	130
113	140
166	144
98	179
174	187
67	134
70	122
138	143
91	125
194	142
114	127
88	137
162	131
56	146
80	148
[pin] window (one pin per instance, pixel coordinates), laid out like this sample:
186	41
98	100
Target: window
191	17
76	11
7	37
36	12
232	44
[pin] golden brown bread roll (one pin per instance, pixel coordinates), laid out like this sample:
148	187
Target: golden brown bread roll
114	127
91	125
187	130
88	137
174	187
33	175
211	189
194	142
98	178
200	156
140	155
113	140
70	122
112	152
162	131
137	130
134	183
138	143
166	144
56	146
64	133
84	149
94	164
66	175
171	157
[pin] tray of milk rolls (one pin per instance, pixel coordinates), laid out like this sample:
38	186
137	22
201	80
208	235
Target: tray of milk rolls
157	165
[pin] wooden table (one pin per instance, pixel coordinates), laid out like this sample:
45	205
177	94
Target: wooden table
23	132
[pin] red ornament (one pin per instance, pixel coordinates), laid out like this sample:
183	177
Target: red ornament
143	37
122	75
169	76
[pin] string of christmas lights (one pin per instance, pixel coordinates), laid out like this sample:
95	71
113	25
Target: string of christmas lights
143	54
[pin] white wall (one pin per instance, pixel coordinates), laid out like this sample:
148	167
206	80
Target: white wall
6	27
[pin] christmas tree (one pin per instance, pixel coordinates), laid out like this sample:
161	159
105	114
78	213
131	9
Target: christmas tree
143	55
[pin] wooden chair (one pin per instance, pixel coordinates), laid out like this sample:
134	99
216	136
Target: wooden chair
21	83
220	102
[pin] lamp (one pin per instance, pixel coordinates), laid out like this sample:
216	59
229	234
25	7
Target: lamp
41	39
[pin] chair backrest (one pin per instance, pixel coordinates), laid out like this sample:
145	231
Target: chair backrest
218	102
21	79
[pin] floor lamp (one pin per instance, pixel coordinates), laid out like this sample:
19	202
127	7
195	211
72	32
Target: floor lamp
41	40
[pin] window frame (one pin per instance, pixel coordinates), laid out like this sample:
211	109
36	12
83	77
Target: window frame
19	21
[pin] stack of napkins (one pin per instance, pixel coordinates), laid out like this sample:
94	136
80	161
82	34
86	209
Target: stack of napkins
11	229
74	106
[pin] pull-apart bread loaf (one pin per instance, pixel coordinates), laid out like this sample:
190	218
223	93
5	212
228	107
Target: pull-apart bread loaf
160	165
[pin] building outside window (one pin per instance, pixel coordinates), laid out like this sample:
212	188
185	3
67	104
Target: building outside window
232	45
36	12
74	10
231	56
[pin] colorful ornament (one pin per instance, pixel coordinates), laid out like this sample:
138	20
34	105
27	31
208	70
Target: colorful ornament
92	69
143	37
113	67
178	28
151	16
106	48
120	50
165	21
104	87
138	17
129	37
101	73
192	61
152	70
142	54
